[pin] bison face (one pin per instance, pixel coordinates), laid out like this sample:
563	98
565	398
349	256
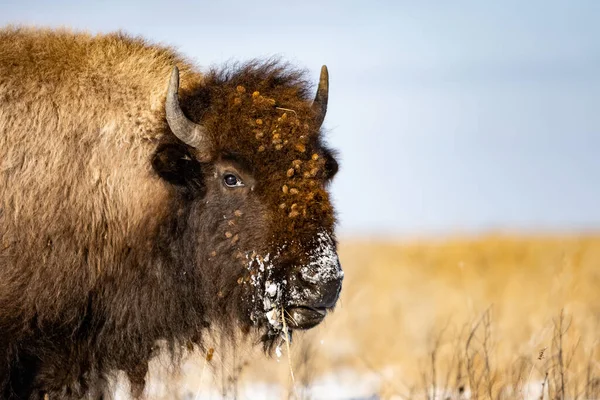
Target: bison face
262	223
270	248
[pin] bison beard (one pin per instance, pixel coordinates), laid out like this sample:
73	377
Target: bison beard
134	211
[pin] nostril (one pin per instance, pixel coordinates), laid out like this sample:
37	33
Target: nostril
331	293
320	288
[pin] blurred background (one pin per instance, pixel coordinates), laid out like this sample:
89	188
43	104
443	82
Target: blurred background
468	195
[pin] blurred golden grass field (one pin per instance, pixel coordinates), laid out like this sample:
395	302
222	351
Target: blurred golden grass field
453	318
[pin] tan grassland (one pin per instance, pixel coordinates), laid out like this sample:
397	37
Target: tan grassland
495	316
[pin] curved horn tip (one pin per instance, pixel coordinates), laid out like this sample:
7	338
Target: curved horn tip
175	77
324	74
186	130
324	81
320	102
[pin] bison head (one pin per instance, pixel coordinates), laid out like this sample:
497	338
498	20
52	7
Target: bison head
249	160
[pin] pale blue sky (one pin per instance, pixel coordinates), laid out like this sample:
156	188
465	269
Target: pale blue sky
459	116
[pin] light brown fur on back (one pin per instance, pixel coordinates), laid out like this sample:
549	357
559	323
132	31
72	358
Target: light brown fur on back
90	114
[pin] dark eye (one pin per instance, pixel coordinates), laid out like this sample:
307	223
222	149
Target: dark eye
232	181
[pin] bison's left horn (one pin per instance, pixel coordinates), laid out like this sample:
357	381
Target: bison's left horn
320	103
189	132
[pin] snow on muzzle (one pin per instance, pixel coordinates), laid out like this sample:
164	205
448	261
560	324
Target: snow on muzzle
315	287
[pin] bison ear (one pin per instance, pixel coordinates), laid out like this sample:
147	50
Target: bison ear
173	163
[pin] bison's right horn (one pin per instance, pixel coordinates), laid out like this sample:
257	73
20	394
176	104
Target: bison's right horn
190	133
319	105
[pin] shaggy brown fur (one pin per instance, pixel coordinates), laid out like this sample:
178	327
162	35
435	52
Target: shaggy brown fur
112	234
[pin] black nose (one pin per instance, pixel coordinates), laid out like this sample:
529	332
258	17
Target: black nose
323	294
317	287
311	294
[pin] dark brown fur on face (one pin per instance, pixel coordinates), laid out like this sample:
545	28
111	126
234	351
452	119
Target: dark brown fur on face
114	234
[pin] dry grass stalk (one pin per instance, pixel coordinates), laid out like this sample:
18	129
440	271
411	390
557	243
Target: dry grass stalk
286	338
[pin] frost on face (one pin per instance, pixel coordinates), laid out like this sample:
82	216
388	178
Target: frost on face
268	294
271	289
323	265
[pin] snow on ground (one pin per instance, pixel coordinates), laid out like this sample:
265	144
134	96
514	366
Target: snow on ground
344	384
340	385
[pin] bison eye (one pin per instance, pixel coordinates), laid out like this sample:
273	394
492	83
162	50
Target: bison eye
231	180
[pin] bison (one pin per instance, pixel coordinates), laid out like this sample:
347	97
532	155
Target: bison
144	201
